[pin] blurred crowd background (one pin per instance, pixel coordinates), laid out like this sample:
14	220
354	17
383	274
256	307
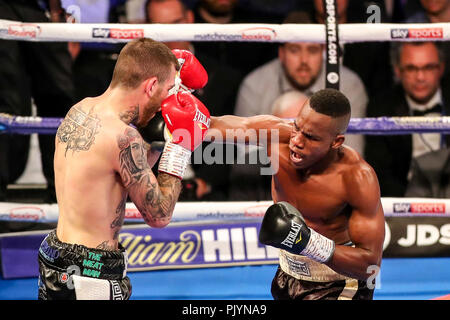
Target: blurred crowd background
245	79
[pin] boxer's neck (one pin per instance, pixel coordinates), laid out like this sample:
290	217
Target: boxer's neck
322	165
122	102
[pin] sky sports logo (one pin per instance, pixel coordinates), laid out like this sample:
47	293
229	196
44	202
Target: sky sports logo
405	207
117	33
416	33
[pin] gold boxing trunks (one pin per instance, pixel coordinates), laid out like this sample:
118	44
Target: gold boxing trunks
299	277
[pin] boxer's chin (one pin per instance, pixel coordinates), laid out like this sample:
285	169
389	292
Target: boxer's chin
149	113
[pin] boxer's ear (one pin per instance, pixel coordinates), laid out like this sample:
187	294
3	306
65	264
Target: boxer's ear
338	141
150	86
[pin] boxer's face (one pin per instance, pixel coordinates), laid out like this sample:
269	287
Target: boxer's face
158	92
435	6
302	63
420	71
312	136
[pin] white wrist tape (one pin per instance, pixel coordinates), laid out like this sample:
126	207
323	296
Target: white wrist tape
174	160
319	248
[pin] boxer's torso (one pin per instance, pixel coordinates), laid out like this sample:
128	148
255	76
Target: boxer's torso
91	196
322	198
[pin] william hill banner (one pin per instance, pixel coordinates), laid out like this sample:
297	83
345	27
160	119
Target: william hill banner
193	246
179	245
217	244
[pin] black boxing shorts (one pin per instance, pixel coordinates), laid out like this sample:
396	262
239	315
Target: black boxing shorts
75	272
301	278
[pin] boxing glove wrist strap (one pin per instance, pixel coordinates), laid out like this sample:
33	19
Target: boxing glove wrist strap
319	248
174	160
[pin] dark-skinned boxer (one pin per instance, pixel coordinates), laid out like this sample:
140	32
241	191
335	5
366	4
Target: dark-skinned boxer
327	216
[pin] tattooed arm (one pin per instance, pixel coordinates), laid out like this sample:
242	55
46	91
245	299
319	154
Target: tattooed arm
155	198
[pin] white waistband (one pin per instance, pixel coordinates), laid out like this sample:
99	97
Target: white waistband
304	268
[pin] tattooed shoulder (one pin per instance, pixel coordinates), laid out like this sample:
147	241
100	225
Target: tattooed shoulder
78	129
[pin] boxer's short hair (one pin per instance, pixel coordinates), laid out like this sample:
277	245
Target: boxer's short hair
330	102
142	59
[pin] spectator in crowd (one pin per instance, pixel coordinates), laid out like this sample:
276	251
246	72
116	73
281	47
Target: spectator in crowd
244	56
432	11
166	11
430	175
370	60
435	11
38	70
211	181
420	92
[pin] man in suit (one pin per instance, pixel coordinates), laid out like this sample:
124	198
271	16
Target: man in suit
430	175
419	67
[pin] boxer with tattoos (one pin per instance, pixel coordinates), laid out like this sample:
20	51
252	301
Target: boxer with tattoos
103	156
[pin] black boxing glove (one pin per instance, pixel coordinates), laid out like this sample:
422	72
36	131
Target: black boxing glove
154	132
284	227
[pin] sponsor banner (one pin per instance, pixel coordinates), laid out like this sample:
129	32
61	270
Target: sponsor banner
184	211
22	30
227	211
417	33
117	33
416	207
417	237
173	247
333	52
257	33
190	245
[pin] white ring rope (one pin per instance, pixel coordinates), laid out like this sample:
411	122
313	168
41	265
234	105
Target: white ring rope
109	32
223	211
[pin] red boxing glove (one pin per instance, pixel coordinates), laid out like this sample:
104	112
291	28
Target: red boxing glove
192	73
187	121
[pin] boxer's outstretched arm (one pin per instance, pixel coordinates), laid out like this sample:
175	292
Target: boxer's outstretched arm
365	227
155	198
229	127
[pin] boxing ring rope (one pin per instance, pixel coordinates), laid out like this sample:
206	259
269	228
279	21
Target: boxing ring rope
113	33
369	126
223	211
